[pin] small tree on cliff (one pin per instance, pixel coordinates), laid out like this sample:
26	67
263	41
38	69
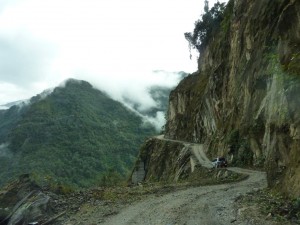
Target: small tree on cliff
206	6
207	26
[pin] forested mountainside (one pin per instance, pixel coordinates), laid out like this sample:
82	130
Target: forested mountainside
75	135
244	101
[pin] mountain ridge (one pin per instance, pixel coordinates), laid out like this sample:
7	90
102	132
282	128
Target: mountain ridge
73	135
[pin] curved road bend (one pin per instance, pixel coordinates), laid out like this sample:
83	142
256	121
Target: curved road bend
207	205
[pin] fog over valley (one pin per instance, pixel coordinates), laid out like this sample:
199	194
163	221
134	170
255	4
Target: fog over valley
119	47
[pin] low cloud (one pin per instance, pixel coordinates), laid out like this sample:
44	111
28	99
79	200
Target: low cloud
133	87
114	48
158	121
133	91
4	151
3	107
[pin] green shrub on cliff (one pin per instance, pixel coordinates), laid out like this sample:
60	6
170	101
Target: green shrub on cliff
207	26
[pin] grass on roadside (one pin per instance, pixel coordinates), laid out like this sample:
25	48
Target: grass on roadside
274	206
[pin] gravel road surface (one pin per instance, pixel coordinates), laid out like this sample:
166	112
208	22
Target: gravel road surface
207	205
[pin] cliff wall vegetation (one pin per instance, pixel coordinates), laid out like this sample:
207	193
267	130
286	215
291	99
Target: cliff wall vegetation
244	100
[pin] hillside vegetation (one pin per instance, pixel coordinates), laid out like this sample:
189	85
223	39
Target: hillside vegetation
75	136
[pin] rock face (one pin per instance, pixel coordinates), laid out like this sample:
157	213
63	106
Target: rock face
162	161
22	202
244	100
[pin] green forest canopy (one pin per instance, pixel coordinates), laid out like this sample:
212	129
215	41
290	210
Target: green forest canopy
74	136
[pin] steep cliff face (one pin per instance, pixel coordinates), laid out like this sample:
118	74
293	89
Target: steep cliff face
162	161
244	100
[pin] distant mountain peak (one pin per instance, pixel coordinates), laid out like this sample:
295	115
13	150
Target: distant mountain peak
73	133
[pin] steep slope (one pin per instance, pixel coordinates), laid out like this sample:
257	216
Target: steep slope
75	135
243	102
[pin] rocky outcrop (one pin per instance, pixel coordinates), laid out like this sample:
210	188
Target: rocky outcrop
23	202
244	101
162	161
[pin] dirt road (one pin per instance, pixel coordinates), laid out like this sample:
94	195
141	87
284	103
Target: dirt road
207	205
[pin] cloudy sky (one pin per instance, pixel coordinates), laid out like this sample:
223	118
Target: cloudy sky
114	44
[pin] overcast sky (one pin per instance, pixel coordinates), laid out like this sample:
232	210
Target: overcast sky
114	44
